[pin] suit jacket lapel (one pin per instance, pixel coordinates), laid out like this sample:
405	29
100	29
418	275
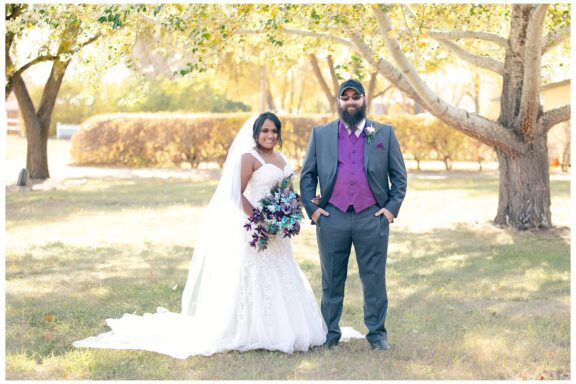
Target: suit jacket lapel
369	147
332	148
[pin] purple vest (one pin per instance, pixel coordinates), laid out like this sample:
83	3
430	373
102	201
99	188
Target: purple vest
351	186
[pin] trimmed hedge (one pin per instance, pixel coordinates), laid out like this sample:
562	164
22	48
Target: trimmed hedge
170	139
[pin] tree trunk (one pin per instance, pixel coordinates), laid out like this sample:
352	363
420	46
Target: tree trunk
566	153
262	90
371	89
333	76
9	69
447	162
269	97
566	158
284	92
36	135
524	200
37	124
291	102
322	81
300	96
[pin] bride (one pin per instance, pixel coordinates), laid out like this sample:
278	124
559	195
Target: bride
235	298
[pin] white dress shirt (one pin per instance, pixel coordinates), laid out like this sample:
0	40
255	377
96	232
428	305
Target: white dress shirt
359	127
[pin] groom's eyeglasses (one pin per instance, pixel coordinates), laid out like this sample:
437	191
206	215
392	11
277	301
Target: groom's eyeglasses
353	97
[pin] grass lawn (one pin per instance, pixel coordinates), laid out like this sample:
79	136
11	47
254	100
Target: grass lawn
467	300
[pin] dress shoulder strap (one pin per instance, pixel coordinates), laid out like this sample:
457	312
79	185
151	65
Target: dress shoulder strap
257	156
283	157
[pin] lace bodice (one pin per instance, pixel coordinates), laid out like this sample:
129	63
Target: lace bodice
264	178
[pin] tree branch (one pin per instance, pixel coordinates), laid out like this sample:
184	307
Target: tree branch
471	124
50	93
409	11
480	61
39	59
12	12
370	93
323	84
324	36
16	9
530	101
382	92
25	102
554	38
148	19
333	74
85	43
430	99
385	68
454	35
554	116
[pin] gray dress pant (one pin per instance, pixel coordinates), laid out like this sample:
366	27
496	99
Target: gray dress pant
369	234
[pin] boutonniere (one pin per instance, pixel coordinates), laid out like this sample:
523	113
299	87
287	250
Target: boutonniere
370	133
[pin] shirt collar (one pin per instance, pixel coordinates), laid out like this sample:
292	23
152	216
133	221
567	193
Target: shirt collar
359	127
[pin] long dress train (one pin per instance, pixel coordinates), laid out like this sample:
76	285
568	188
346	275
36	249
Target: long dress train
273	306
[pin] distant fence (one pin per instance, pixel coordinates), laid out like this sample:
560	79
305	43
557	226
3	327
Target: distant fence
66	131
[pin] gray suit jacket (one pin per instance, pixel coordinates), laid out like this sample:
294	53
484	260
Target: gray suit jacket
383	163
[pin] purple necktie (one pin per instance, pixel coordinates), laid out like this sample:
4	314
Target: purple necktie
353	137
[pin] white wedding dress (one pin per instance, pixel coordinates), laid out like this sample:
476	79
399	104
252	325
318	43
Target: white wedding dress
236	298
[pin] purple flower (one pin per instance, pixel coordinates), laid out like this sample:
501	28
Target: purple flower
279	215
297	228
286	209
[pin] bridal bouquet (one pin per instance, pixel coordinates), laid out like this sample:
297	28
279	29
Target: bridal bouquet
280	215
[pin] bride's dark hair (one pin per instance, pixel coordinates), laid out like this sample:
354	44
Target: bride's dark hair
258	126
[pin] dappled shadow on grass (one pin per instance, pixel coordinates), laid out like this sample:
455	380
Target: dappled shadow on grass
57	294
82	286
475	185
489	298
448	182
104	196
124	286
449	257
472	302
87	263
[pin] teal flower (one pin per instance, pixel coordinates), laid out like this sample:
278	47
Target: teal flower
280	215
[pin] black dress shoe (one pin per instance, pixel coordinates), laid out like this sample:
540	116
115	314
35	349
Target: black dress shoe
330	343
381	345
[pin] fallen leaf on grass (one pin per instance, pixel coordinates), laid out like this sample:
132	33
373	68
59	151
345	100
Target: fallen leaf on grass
49	317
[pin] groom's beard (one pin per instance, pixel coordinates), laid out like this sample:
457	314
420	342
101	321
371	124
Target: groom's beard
352	118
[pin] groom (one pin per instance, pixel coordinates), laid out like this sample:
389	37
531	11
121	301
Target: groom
362	178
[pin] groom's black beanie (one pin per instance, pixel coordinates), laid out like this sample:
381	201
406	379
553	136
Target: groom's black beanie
355	85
